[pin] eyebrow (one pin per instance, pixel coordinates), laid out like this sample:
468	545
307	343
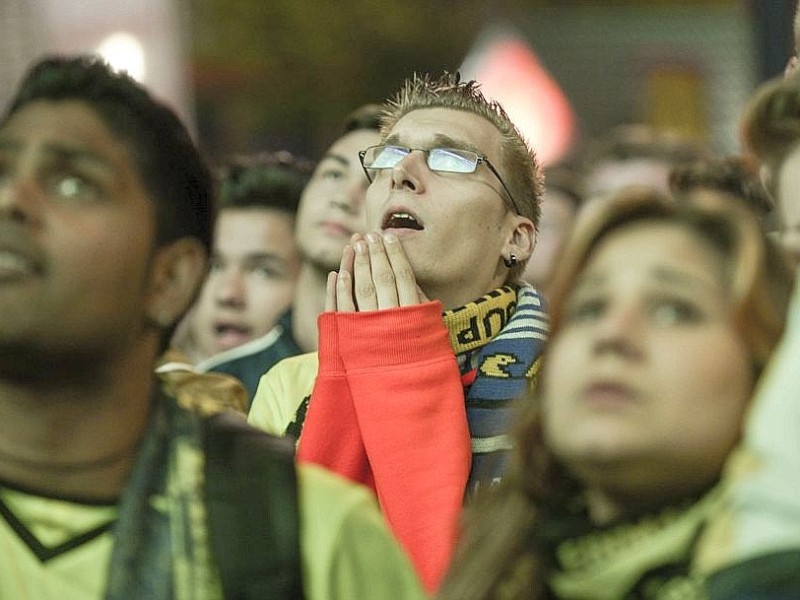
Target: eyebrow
252	259
63	153
255	257
439	140
660	274
682	279
339	158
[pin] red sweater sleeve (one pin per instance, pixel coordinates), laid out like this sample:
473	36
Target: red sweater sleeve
409	402
331	436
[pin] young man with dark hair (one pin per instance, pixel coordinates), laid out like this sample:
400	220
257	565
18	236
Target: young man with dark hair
410	395
634	155
254	262
331	209
112	483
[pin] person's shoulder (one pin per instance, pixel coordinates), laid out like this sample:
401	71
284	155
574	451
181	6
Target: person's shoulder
319	487
348	552
295	372
329	503
281	390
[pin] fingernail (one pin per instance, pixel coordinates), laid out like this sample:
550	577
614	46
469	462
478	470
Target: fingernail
361	247
371	237
390	238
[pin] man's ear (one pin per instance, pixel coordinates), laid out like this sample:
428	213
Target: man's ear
521	239
178	270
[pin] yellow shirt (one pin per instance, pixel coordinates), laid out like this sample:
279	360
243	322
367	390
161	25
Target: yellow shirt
347	551
41	556
281	391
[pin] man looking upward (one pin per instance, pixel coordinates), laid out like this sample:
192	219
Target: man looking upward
427	333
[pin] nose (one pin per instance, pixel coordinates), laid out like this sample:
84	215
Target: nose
18	200
230	289
406	174
619	332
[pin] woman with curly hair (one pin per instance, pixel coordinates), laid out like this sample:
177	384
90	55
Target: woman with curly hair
663	316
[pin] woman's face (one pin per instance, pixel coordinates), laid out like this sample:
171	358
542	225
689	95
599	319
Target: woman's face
647	379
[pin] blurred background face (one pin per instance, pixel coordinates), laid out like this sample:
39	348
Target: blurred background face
332	206
251	281
557	216
77	230
611	176
647	378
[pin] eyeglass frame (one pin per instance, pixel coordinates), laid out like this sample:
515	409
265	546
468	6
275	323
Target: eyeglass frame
479	158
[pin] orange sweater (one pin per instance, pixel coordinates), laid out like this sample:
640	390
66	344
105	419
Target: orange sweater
388	411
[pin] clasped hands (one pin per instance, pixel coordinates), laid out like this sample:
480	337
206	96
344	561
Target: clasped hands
374	274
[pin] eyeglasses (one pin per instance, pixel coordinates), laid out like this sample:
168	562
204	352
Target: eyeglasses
445	160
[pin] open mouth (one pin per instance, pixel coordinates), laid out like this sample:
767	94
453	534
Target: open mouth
401	220
608	393
13	265
229	335
337	229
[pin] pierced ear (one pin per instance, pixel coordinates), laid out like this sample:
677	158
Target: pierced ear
521	240
177	271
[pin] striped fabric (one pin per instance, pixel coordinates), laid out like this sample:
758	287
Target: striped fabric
498	340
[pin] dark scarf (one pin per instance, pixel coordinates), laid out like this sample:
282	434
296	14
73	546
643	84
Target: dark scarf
644	558
161	547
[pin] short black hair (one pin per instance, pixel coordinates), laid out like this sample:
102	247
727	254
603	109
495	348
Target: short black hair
735	175
366	116
171	167
272	180
633	141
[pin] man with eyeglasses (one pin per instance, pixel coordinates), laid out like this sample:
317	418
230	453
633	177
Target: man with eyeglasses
427	334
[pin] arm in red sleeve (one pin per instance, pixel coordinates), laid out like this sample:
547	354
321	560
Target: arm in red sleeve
408	397
331	436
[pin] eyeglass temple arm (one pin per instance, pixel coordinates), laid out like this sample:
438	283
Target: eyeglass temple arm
361	155
503	183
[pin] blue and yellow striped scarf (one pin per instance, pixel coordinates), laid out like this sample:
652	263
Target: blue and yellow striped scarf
498	340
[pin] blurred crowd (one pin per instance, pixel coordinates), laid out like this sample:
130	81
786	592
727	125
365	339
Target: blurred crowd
421	365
